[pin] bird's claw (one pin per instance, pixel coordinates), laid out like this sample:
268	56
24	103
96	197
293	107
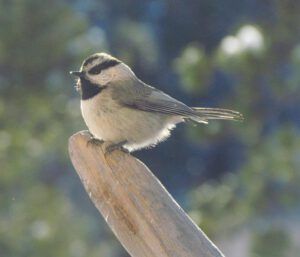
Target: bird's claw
94	141
119	146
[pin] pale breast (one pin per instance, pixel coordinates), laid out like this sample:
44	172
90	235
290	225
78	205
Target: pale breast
98	113
109	121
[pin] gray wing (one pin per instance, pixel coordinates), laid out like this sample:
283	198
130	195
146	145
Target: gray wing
138	95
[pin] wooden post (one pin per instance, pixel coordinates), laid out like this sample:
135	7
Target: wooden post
141	213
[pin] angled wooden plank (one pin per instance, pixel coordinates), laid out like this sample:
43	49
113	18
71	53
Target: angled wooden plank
142	214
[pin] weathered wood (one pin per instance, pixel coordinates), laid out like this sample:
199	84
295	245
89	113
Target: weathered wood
141	213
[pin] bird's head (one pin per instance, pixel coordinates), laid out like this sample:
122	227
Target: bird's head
101	69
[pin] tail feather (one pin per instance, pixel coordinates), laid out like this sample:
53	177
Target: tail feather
205	114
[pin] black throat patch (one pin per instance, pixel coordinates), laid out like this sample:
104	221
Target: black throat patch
89	89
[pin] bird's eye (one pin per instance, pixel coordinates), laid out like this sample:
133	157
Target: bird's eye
96	70
103	66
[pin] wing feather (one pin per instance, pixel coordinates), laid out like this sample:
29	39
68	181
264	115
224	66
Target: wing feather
143	97
138	95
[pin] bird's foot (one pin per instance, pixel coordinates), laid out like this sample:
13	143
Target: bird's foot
118	146
94	141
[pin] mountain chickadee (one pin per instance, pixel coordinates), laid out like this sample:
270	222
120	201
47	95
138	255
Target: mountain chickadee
125	113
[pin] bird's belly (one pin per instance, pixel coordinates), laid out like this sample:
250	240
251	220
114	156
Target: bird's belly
116	124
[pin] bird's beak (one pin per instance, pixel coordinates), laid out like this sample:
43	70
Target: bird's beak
78	74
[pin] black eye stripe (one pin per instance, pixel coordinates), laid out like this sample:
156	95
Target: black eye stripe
95	70
103	66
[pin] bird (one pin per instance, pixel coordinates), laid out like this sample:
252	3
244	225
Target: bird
124	113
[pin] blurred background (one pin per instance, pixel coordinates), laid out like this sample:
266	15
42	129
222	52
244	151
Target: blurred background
240	182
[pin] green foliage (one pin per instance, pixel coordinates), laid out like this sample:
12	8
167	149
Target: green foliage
42	40
39	44
268	183
195	69
271	243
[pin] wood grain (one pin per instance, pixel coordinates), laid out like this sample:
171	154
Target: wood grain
141	213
